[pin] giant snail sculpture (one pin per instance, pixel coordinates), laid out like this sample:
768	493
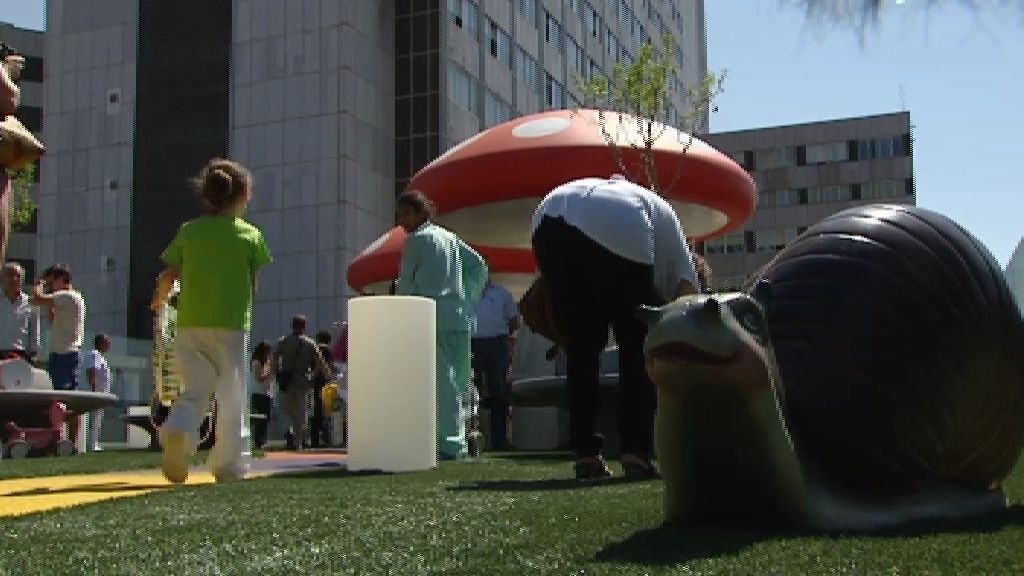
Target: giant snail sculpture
872	374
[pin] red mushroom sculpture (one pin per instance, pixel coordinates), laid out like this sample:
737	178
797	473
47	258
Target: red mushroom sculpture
373	270
487	187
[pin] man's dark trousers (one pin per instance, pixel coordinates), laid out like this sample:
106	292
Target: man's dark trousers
591	289
490	365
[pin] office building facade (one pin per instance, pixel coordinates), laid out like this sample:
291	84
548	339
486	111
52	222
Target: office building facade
805	172
333	104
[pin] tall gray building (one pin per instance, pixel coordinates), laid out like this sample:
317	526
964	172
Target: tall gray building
333	104
29	43
805	172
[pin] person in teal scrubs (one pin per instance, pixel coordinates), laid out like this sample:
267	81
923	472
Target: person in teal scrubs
438	264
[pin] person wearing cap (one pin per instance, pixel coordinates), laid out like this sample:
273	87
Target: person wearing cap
438	264
605	246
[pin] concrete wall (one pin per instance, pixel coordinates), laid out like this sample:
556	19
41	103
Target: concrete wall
86	175
313	117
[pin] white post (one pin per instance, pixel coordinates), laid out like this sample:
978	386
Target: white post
392	415
82	442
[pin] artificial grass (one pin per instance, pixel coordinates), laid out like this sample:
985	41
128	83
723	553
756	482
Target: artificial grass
88	463
516	514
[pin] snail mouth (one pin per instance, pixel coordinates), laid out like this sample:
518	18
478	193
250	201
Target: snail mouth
681	353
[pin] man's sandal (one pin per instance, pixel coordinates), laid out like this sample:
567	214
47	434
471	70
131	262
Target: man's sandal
636	467
592	468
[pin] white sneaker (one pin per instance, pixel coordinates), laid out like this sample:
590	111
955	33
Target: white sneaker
227	475
174	460
97	449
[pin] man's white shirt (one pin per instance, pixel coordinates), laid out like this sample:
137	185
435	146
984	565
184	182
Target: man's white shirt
19	323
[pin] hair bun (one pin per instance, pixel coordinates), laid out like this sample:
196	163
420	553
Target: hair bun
221	179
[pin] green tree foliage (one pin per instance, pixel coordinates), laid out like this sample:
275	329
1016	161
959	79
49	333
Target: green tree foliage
641	92
22	205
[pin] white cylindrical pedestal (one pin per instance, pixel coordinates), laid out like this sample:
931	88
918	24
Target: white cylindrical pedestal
392	420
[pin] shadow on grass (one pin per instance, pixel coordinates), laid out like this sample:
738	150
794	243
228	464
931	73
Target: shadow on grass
331	471
543	485
531	456
671	544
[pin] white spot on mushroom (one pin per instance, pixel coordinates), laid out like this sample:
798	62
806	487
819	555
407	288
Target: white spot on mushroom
541	127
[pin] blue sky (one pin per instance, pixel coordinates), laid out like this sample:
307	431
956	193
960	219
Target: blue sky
961	79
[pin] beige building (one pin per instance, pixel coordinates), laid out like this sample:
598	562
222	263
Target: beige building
805	172
29	43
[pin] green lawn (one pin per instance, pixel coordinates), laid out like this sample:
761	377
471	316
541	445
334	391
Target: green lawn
88	463
516	514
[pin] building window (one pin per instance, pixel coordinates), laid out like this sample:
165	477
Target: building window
782	157
886	147
778	199
829	152
554	93
832	193
882	189
464	14
31	117
529	10
552	31
499	43
527	70
732	243
594	24
774	239
33	71
462	88
496	110
727	283
577	58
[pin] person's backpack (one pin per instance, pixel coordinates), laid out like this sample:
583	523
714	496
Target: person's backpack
286	363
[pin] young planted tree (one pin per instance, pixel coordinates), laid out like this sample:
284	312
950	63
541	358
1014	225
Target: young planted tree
22	205
640	93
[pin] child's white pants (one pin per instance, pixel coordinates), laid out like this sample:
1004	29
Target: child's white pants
213	361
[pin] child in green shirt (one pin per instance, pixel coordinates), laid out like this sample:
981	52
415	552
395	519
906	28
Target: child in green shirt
216	256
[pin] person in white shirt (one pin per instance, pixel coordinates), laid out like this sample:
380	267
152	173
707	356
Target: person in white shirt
19	319
98	372
604	247
66	312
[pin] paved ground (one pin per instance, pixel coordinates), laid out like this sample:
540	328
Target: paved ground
30	495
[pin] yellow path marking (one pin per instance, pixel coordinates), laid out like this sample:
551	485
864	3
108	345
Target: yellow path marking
22	496
30	495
